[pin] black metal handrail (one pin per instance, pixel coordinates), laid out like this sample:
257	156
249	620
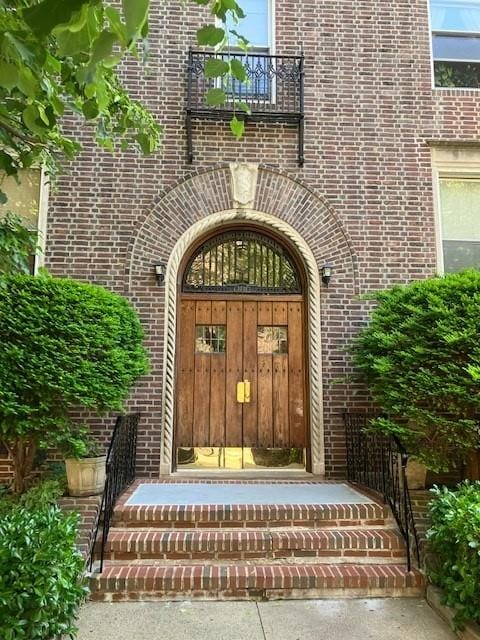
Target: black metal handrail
273	90
121	462
378	462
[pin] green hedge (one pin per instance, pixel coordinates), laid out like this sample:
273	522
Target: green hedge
420	357
454	544
41	573
64	344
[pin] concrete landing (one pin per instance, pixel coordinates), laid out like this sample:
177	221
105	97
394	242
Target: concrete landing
199	493
372	619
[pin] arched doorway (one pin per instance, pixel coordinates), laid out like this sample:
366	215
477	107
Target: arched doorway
241	383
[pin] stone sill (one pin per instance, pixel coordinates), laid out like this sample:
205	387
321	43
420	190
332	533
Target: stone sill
434	597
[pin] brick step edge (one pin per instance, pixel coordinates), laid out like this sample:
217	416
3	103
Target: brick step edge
253	581
316	515
124	545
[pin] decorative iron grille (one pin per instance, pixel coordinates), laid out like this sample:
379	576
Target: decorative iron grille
273	91
241	262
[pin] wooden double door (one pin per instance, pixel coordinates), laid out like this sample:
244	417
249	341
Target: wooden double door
241	378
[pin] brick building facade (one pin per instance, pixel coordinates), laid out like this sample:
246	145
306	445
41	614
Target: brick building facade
364	199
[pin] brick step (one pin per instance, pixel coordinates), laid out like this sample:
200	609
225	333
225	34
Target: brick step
253	581
248	516
342	545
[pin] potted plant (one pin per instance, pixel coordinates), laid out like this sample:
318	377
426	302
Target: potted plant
85	464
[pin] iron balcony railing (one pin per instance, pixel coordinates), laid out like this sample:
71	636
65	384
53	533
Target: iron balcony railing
121	463
273	91
378	462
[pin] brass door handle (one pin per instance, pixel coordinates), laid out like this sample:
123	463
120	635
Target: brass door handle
243	392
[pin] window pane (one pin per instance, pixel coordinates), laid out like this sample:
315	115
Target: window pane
460	208
23	198
455	15
254	27
210	338
457	74
456	48
458	255
272	340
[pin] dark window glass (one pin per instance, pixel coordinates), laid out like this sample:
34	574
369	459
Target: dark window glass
210	338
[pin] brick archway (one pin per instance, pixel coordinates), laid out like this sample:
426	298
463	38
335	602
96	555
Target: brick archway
205	202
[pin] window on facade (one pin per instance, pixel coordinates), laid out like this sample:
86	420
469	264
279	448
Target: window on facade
23	198
210	338
456	42
256	27
460	223
241	262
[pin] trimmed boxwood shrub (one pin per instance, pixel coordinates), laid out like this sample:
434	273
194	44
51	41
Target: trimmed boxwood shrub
420	357
41	573
63	344
454	545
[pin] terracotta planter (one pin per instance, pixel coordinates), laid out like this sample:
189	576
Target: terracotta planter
416	473
85	476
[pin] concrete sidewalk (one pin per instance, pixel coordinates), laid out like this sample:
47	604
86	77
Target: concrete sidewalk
368	619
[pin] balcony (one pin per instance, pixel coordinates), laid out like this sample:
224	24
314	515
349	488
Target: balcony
273	92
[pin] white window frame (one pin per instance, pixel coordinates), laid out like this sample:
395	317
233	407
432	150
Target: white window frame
271	29
432	60
260	50
42	219
456	163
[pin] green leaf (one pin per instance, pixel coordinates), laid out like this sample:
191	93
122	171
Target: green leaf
3	197
215	97
243	106
103	46
237	127
214	67
116	25
8	75
70	44
145	143
238	70
136	13
26	55
27	83
210	36
31	118
42	114
90	109
45	16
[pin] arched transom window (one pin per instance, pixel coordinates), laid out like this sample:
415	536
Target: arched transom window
241	262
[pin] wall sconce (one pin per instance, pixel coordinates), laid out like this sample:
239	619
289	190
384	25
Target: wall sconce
160	270
327	272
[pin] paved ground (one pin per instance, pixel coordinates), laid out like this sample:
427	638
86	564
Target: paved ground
369	619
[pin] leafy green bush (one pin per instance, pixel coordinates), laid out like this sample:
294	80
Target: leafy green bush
420	357
63	344
454	543
17	244
41	573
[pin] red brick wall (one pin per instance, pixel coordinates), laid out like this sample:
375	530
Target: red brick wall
370	116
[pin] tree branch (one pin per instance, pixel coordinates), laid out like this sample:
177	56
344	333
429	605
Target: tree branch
20	135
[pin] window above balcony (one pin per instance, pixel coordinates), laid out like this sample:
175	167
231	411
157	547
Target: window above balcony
257	26
456	42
